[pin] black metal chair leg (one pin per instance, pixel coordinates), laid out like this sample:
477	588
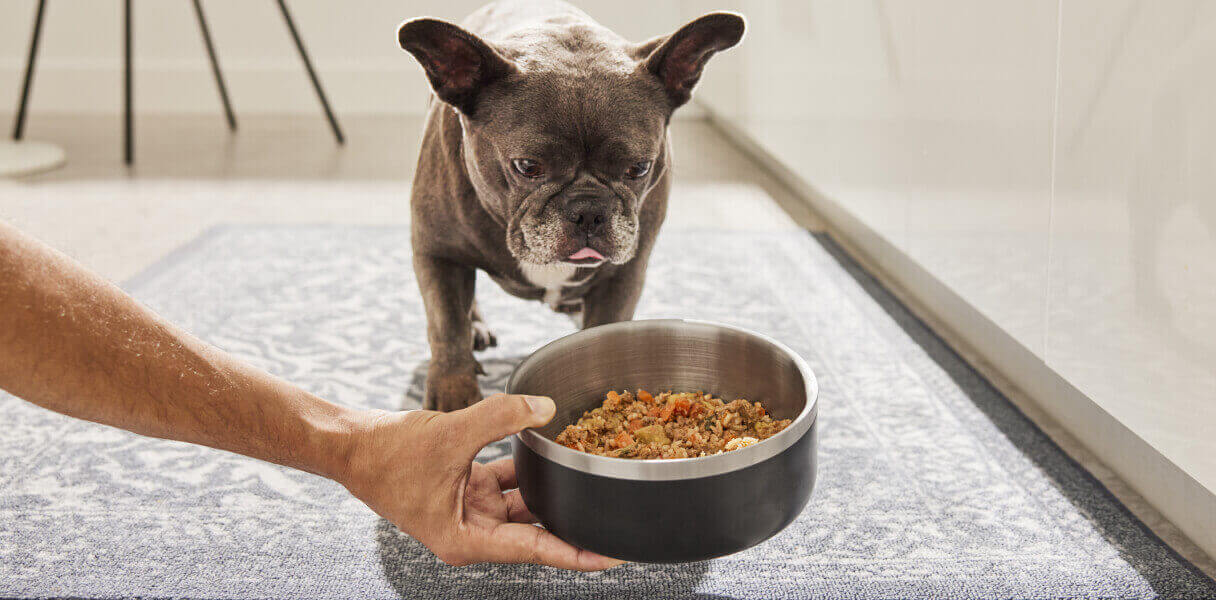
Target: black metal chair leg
128	126
215	65
19	122
329	114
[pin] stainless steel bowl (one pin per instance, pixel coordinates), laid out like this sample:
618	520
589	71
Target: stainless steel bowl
669	510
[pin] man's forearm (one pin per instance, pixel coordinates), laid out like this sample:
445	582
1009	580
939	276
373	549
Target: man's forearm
74	343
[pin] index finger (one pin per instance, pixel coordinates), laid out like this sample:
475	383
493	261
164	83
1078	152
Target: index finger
523	543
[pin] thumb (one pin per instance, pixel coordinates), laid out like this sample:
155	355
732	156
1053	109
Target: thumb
501	415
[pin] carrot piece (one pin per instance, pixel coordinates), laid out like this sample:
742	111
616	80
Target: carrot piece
645	396
665	414
634	425
623	439
680	406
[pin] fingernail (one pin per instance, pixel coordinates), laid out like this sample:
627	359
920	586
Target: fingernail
541	406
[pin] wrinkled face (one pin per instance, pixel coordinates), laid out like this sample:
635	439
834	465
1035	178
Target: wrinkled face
564	123
568	167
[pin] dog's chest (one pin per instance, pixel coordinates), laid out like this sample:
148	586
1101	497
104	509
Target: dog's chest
552	279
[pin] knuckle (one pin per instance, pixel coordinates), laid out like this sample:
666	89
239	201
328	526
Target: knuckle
533	549
506	406
519	404
508	403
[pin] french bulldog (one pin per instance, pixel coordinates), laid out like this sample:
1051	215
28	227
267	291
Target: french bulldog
545	163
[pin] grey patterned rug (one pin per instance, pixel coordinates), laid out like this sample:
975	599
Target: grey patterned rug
931	485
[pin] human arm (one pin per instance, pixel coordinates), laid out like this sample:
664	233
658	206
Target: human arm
76	344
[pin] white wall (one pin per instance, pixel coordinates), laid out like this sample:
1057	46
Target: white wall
1045	165
352	43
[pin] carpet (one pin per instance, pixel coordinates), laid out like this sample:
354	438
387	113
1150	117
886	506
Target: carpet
931	484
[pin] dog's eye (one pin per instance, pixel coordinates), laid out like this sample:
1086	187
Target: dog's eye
638	170
528	167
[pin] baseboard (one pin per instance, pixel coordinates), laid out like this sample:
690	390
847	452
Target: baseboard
255	87
1166	498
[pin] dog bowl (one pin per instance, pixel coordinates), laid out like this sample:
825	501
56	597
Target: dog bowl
667	510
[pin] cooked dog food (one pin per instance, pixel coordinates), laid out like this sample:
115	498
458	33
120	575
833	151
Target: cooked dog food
684	425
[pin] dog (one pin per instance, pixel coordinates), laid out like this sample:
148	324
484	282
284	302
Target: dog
545	162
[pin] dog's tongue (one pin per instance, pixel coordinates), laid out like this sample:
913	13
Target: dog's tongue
586	253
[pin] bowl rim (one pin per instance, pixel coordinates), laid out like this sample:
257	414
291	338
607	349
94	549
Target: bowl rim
670	469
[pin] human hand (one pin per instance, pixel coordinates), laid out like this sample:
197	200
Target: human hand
416	469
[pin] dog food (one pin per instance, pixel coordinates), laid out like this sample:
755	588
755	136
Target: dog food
670	425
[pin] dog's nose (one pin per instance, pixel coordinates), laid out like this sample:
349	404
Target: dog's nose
588	214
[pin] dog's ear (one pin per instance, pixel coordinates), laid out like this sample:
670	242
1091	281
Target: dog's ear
458	63
678	59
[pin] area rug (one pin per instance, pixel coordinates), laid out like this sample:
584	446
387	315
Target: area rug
931	484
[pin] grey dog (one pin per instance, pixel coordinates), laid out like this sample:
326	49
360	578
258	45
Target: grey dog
545	163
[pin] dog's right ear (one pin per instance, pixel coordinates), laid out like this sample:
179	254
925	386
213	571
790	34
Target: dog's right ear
458	63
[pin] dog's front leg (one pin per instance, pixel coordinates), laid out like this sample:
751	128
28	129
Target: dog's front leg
614	299
447	292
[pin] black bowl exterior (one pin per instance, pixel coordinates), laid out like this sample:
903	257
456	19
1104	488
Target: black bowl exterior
671	521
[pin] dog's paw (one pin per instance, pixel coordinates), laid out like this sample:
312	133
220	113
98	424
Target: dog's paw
482	337
446	393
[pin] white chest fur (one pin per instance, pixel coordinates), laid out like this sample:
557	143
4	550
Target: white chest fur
551	278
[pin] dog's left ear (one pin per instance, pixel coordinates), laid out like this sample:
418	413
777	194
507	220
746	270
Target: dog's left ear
678	59
458	63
